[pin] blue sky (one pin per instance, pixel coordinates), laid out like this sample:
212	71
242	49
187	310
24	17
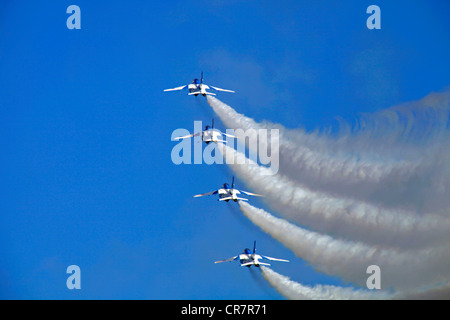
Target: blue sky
85	168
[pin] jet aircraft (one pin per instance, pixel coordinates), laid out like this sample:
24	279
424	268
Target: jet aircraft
226	193
209	134
198	87
248	258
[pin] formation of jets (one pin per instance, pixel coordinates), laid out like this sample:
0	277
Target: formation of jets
226	193
198	87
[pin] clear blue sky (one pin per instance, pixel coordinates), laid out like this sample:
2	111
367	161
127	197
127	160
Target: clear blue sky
86	176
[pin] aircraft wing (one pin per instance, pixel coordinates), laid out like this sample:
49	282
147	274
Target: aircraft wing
228	135
220	89
205	194
176	89
227	260
227	198
247	264
274	259
188	136
251	194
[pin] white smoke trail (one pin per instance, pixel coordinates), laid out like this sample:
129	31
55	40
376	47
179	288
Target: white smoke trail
438	293
384	183
351	165
301	152
394	133
399	127
342	217
400	270
296	291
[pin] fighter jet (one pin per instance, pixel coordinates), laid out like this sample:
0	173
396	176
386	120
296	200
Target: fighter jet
248	258
226	193
198	87
209	134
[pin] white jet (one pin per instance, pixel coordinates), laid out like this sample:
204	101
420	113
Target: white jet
198	87
248	258
209	134
226	193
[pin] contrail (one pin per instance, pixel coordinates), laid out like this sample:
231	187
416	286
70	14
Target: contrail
438	293
394	133
346	218
299	150
400	270
370	165
296	291
401	128
381	188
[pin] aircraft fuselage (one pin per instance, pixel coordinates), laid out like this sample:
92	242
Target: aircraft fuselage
211	135
198	88
228	193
